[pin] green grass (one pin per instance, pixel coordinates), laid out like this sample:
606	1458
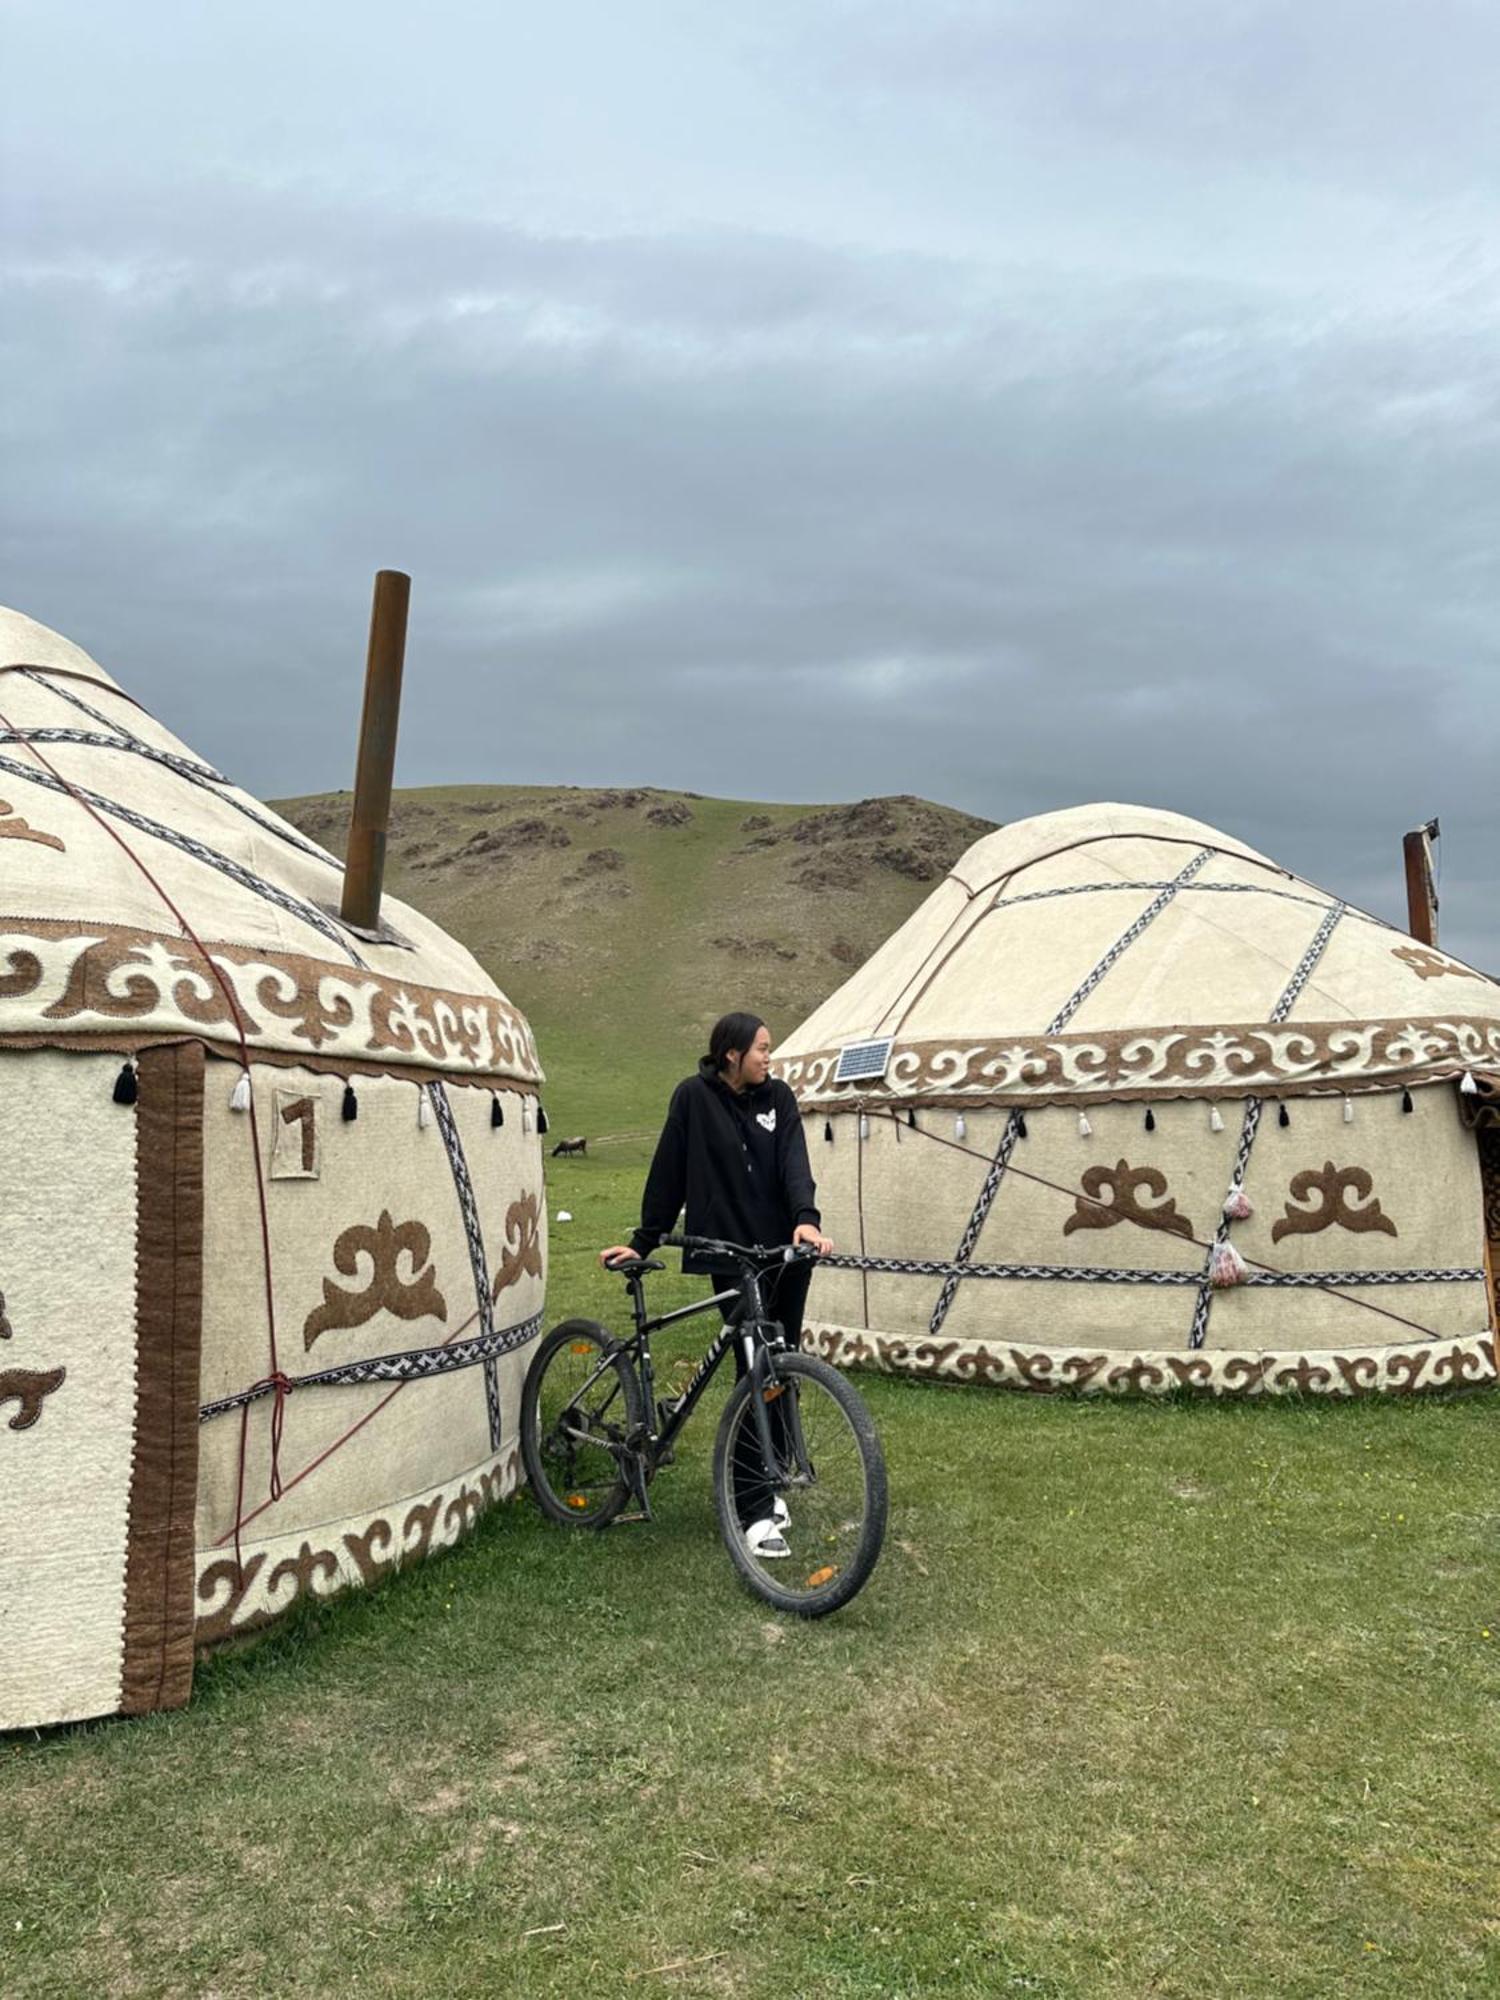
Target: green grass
1176	1700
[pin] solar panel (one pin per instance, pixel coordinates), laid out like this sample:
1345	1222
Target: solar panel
863	1062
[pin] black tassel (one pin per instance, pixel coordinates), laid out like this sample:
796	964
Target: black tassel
127	1090
497	1113
911	1119
351	1104
541	1120
1150	1119
827	1131
1020	1124
1406	1103
1283	1117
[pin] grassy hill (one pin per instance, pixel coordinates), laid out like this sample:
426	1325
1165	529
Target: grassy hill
624	922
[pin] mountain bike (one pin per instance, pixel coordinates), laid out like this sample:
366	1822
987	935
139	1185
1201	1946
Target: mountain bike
795	1439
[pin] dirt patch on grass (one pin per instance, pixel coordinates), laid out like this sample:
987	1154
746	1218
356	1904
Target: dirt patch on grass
516	838
759	948
842	846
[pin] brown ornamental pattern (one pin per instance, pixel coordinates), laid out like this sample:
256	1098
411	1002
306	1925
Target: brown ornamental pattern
1349	1371
81	982
235	1597
1113	1194
29	1387
1329	1191
13	827
1428	964
1231	1060
416	1297
522	1256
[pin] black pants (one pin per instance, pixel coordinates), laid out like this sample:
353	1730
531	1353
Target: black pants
785	1293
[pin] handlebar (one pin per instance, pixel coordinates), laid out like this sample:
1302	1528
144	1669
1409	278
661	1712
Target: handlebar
744	1253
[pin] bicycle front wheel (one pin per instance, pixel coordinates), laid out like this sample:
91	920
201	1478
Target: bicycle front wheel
828	1471
580	1404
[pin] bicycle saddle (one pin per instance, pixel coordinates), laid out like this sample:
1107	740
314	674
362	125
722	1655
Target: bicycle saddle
633	1267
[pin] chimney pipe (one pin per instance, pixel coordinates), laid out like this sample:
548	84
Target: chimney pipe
1421	892
364	868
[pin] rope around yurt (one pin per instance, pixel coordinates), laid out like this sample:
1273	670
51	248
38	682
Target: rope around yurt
1244	1271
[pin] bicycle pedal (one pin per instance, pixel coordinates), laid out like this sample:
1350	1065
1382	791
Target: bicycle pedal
627	1520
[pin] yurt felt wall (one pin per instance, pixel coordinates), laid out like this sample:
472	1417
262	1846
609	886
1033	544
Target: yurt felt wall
1100	1025
374	1256
250	1346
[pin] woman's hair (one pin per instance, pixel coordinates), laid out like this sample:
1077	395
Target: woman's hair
732	1031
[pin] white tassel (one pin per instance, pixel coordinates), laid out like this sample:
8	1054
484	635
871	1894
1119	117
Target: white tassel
960	1129
864	1126
1467	1087
1085	1130
1215	1119
528	1122
239	1097
1237	1205
1226	1268
1348	1110
424	1108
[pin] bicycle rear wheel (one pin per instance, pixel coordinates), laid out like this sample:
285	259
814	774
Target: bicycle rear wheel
830	1474
580	1404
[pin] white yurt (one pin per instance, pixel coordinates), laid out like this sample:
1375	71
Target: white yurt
272	1238
1125	1105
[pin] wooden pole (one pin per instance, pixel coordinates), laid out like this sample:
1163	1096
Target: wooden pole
364	869
1421	895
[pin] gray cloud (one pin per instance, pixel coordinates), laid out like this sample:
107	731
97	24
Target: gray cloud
875	496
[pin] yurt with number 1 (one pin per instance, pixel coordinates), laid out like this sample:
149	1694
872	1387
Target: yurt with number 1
1127	1106
272	1241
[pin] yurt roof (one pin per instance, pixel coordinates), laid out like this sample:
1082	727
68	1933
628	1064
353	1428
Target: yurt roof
122	853
1117	950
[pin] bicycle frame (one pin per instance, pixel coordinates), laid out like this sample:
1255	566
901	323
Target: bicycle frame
762	1336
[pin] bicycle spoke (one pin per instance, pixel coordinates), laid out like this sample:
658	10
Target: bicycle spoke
827	1499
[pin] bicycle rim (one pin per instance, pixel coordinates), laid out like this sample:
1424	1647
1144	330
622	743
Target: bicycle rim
582	1409
830	1476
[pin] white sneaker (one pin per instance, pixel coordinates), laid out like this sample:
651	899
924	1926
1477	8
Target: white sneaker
765	1539
780	1513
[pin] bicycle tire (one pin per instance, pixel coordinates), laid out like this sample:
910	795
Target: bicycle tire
578	1493
837	1561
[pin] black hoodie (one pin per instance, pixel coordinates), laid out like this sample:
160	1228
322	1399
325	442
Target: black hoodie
739	1161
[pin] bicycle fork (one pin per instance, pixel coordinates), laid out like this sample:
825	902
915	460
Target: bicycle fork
766	1388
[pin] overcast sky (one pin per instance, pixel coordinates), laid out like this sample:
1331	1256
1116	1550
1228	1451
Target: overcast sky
1014	403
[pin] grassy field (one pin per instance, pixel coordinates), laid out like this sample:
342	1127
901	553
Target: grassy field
1142	1700
1172	1700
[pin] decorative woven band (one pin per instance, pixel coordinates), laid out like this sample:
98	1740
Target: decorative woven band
417	1364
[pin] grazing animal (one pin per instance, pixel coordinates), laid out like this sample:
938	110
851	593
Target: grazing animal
570	1146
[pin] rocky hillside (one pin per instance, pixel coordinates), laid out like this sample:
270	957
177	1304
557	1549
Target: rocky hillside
623	921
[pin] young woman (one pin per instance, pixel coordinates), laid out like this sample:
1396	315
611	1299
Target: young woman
733	1151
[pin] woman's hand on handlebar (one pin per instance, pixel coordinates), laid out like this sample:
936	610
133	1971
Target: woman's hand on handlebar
813	1237
616	1253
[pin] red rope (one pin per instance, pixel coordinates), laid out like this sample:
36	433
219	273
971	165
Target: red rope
338	1443
274	1379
